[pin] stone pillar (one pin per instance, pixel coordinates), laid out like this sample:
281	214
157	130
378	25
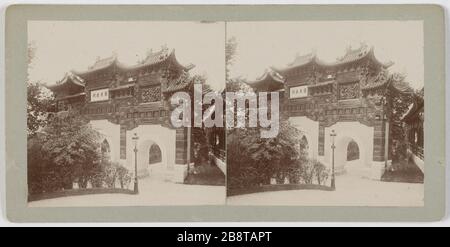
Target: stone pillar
180	167
123	142
181	146
321	139
378	150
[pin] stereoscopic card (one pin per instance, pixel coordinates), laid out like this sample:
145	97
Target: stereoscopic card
225	113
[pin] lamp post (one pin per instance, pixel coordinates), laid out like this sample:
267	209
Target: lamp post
332	135
135	139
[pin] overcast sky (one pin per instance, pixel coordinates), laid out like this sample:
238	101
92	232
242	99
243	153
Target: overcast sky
74	45
265	44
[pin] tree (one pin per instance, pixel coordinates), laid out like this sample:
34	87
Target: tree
38	106
253	160
72	147
278	155
230	54
399	98
199	143
39	100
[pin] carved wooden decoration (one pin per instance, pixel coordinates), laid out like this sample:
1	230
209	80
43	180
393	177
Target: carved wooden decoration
151	94
349	91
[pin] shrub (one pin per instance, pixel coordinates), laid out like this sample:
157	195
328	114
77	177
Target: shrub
43	175
111	173
124	177
307	172
321	172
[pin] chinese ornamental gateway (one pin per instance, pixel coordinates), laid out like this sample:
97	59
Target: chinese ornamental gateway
346	96
120	101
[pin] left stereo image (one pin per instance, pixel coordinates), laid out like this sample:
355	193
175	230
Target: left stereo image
110	113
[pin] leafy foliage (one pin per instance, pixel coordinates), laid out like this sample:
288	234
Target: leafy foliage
67	151
230	54
70	148
313	170
38	106
253	160
200	146
397	104
113	173
39	100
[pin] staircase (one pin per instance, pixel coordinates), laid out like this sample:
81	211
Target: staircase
158	172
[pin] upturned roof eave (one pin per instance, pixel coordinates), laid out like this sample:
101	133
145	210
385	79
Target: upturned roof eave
267	78
126	68
316	61
67	79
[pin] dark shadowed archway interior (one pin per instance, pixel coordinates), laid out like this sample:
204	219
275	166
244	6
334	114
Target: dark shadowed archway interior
352	151
105	150
304	146
154	154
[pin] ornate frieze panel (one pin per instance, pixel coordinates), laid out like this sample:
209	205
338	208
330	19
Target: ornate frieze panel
326	88
150	94
349	91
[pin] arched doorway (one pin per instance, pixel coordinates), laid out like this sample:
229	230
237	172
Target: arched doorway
154	154
304	146
349	155
347	132
150	158
105	150
352	151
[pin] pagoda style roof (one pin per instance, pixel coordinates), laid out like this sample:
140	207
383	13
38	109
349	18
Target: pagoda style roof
377	81
415	108
350	56
153	58
181	83
301	60
100	63
384	79
103	63
69	79
164	55
355	54
270	80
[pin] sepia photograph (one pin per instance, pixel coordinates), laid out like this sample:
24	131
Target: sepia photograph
180	114
349	97
100	100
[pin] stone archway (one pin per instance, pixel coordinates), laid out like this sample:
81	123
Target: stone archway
111	133
310	131
150	157
154	154
347	132
342	164
105	150
165	139
304	145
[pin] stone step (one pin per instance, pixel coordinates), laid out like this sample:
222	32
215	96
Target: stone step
159	173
